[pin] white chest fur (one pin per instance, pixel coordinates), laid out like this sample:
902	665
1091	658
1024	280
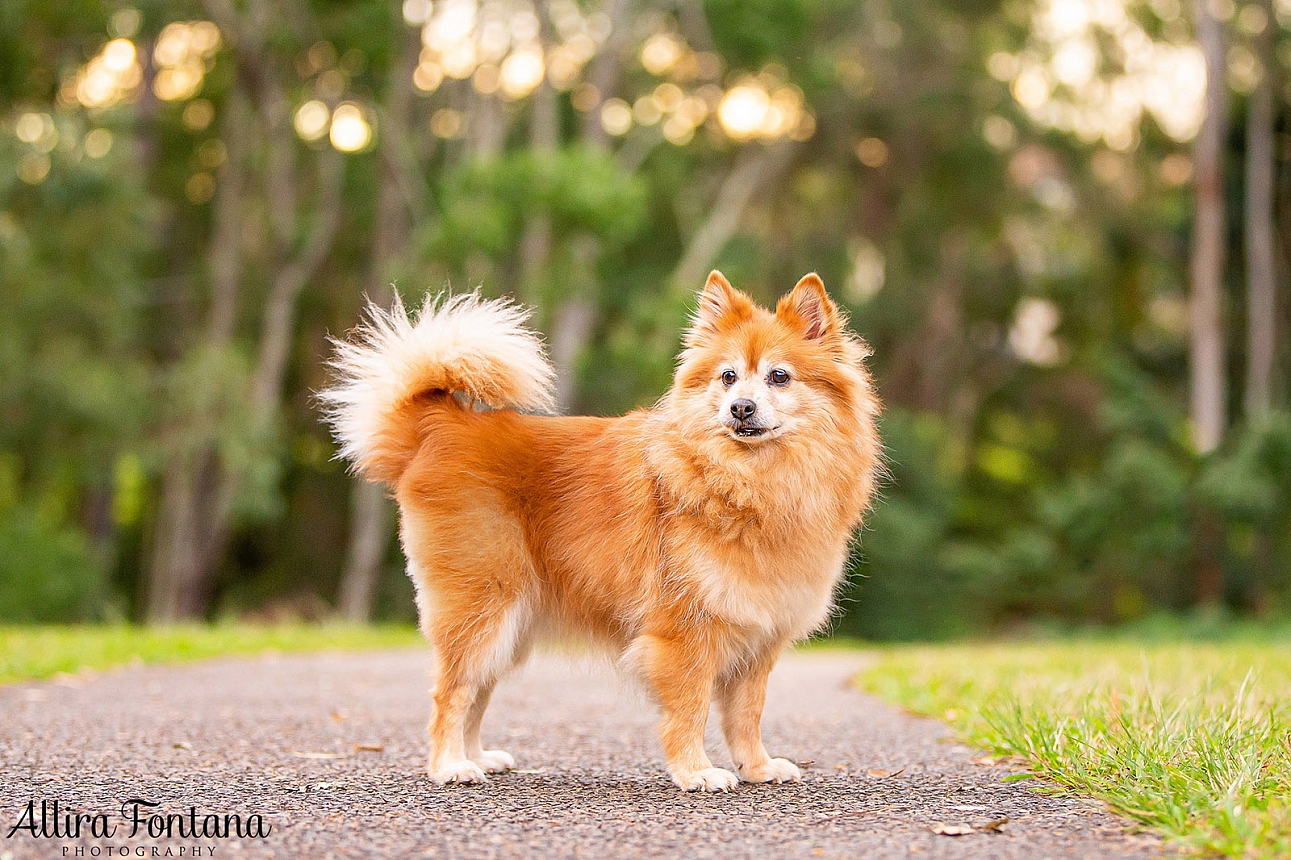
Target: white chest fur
788	593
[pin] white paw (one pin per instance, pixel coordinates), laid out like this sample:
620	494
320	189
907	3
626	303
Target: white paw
774	770
463	771
494	761
708	779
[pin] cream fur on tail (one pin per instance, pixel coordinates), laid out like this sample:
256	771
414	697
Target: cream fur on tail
479	347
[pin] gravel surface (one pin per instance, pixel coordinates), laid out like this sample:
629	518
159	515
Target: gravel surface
330	750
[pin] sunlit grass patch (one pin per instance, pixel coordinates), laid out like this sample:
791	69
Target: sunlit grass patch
1194	740
34	652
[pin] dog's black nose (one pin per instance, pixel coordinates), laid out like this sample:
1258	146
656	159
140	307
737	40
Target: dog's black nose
743	409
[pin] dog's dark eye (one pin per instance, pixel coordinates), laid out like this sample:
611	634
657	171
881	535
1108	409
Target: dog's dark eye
729	377
778	377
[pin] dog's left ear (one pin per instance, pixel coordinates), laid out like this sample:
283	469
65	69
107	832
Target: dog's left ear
808	306
719	304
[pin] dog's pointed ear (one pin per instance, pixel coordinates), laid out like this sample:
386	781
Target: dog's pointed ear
808	306
720	303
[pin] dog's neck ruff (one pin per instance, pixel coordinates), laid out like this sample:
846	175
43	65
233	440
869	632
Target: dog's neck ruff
753	494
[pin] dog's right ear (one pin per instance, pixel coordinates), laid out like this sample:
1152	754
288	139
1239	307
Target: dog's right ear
719	304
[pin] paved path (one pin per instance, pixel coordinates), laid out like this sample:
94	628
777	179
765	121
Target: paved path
285	737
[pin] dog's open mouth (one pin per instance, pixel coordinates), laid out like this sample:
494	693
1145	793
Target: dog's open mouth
751	431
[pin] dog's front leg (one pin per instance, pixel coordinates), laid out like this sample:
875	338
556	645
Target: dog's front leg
740	697
680	673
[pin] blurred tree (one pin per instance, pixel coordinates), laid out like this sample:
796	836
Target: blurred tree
398	206
1261	185
194	194
205	473
1208	405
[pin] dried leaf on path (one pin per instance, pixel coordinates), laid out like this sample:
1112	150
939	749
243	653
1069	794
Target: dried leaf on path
994	825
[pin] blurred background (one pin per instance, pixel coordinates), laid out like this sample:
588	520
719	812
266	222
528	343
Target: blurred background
1062	225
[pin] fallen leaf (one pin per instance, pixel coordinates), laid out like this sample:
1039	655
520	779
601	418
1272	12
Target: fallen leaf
182	745
986	760
943	829
880	773
369	747
807	762
994	825
339	715
314	755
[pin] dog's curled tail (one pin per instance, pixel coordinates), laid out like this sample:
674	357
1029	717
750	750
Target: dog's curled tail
478	347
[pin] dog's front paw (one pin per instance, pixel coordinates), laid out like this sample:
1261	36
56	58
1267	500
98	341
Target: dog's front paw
494	761
772	770
708	779
464	771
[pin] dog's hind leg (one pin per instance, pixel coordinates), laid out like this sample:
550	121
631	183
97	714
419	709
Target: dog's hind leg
512	649
491	761
475	595
471	656
453	698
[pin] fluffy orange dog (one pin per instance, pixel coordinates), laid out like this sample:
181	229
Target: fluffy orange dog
696	539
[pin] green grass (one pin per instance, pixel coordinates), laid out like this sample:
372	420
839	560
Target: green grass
1193	739
31	653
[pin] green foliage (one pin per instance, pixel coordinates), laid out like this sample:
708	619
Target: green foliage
69	337
1108	538
206	408
1251	481
1248	486
904	583
48	572
751	33
485	203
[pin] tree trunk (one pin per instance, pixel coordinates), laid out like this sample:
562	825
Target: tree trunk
605	71
369	537
370	510
175	573
544	138
1210	574
924	367
575	319
756	167
1207	348
179	576
279	320
198	488
225	262
1261	271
